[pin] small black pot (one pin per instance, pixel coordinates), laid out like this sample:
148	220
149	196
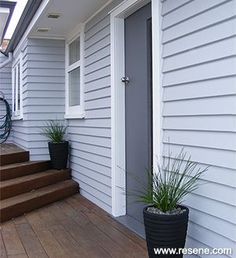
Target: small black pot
165	231
58	154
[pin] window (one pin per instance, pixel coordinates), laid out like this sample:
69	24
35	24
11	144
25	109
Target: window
74	78
17	112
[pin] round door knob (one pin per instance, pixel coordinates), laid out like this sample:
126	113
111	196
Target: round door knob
125	79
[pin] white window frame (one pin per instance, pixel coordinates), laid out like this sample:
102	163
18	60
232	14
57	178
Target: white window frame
18	113
73	112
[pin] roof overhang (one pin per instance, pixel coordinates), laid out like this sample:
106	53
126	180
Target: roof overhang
70	15
6	11
26	17
36	15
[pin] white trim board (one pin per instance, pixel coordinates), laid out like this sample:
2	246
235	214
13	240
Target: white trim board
157	90
18	88
117	16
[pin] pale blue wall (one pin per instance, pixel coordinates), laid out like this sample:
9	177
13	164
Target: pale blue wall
43	93
199	109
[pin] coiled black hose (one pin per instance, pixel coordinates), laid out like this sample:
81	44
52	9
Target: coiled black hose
5	121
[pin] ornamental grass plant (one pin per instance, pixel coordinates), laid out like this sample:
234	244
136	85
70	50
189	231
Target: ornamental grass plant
177	177
55	131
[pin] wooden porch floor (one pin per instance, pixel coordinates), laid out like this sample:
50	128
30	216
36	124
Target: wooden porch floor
70	228
9	148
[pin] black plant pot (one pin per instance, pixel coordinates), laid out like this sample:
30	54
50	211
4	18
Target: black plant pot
165	231
58	154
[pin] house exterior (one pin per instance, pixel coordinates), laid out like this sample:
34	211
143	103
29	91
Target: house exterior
70	68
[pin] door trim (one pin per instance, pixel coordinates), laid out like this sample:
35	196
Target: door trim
118	173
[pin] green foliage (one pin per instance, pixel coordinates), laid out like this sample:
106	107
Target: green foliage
55	131
177	177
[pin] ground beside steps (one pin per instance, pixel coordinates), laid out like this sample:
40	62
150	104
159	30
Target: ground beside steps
27	185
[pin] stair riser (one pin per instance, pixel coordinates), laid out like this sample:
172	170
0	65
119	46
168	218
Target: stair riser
23	187
23	170
12	158
35	203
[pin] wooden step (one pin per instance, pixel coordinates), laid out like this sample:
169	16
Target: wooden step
18	205
28	183
10	153
22	169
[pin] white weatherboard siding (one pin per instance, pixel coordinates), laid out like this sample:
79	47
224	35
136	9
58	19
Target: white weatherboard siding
199	109
91	137
43	93
5	87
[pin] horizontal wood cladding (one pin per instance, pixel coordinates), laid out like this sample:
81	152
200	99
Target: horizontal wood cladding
91	137
199	109
43	93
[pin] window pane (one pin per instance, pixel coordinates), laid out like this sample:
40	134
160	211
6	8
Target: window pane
18	93
74	87
74	51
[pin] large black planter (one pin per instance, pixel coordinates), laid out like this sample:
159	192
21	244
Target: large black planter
165	231
58	154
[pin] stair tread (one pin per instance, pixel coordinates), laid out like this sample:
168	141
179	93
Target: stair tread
27	185
11	171
9	148
36	193
31	177
21	164
10	153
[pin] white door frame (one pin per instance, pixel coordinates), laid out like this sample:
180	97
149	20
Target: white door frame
117	16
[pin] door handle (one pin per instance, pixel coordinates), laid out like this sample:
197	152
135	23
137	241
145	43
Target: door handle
125	79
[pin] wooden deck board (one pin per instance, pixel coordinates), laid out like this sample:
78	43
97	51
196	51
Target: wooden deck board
11	239
8	148
73	227
30	241
10	153
3	253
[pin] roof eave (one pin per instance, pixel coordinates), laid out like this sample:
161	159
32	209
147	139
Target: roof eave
11	7
26	17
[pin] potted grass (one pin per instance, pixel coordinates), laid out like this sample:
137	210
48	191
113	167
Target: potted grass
58	147
165	218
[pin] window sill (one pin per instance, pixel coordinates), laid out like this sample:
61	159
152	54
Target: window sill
16	118
75	116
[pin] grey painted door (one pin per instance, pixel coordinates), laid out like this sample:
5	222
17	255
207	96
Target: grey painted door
138	107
